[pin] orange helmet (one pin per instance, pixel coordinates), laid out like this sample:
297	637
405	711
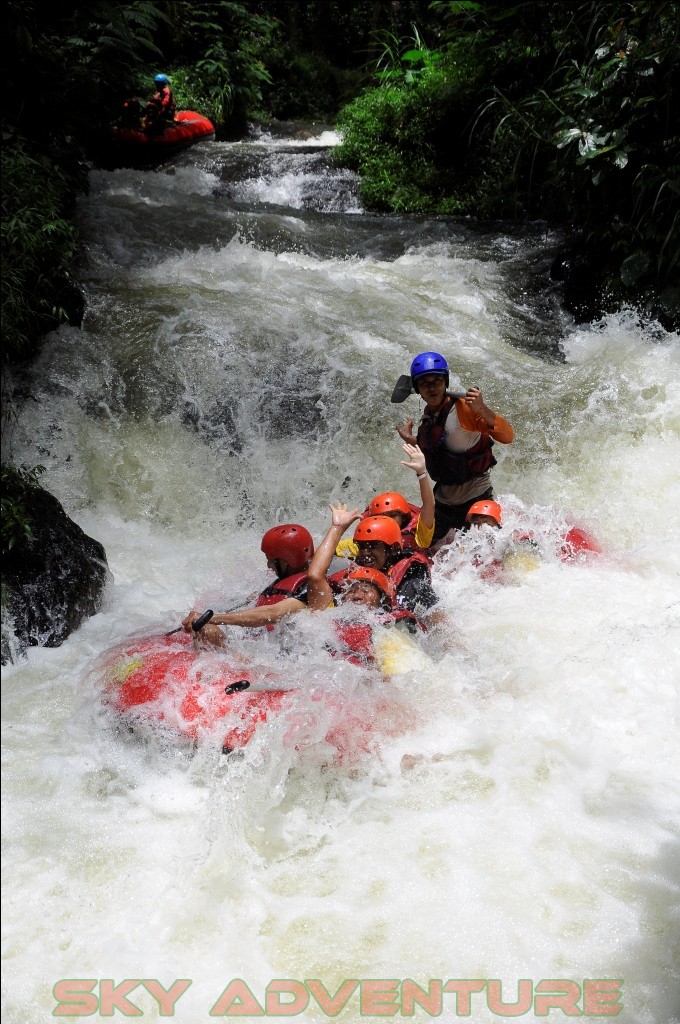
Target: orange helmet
378	528
389	502
363	574
485	508
288	543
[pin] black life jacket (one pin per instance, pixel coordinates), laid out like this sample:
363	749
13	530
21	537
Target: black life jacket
445	466
279	590
397	571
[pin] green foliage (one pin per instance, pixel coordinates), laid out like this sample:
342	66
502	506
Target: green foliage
17	485
396	68
404	136
602	123
222	47
39	245
69	66
535	110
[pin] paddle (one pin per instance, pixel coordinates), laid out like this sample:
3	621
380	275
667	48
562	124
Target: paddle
404	387
199	623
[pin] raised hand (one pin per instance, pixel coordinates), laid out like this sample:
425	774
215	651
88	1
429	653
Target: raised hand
342	516
416	459
406	432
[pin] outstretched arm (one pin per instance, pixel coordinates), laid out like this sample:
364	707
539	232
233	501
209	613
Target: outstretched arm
250	617
416	462
319	593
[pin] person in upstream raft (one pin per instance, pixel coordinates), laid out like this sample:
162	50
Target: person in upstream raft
456	435
160	110
288	549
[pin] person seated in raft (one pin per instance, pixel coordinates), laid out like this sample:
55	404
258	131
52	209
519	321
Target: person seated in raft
379	546
356	640
517	553
522	547
416	524
132	114
160	110
288	549
485	513
456	435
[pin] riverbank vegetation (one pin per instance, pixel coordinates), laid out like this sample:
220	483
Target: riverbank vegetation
537	110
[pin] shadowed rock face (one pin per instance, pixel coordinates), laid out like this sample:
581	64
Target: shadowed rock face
53	581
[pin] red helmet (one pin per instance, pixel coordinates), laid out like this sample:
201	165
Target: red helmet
389	502
289	543
378	528
485	508
363	574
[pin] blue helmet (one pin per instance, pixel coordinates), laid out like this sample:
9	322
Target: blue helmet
429	362
161	79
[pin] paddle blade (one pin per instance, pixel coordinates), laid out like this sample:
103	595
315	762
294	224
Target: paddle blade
402	389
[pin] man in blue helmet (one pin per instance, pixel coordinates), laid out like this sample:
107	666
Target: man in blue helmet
456	435
160	110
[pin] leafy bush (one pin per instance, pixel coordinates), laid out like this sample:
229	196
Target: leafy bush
16	487
218	63
538	110
39	245
404	137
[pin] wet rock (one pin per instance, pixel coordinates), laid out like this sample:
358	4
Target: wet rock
581	293
53	580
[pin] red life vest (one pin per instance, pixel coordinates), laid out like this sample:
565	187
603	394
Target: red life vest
279	590
445	466
408	532
164	101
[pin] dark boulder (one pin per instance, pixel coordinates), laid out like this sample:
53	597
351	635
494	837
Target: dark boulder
581	285
51	581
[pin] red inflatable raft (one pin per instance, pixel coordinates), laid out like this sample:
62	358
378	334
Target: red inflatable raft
137	146
164	682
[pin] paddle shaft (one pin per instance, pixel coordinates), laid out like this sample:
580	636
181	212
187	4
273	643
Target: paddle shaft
199	623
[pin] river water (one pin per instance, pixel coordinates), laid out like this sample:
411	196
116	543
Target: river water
515	814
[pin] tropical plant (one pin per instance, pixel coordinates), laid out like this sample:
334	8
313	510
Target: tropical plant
17	485
603	123
39	244
540	109
224	81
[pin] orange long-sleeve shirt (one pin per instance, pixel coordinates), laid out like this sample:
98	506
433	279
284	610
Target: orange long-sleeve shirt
464	428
